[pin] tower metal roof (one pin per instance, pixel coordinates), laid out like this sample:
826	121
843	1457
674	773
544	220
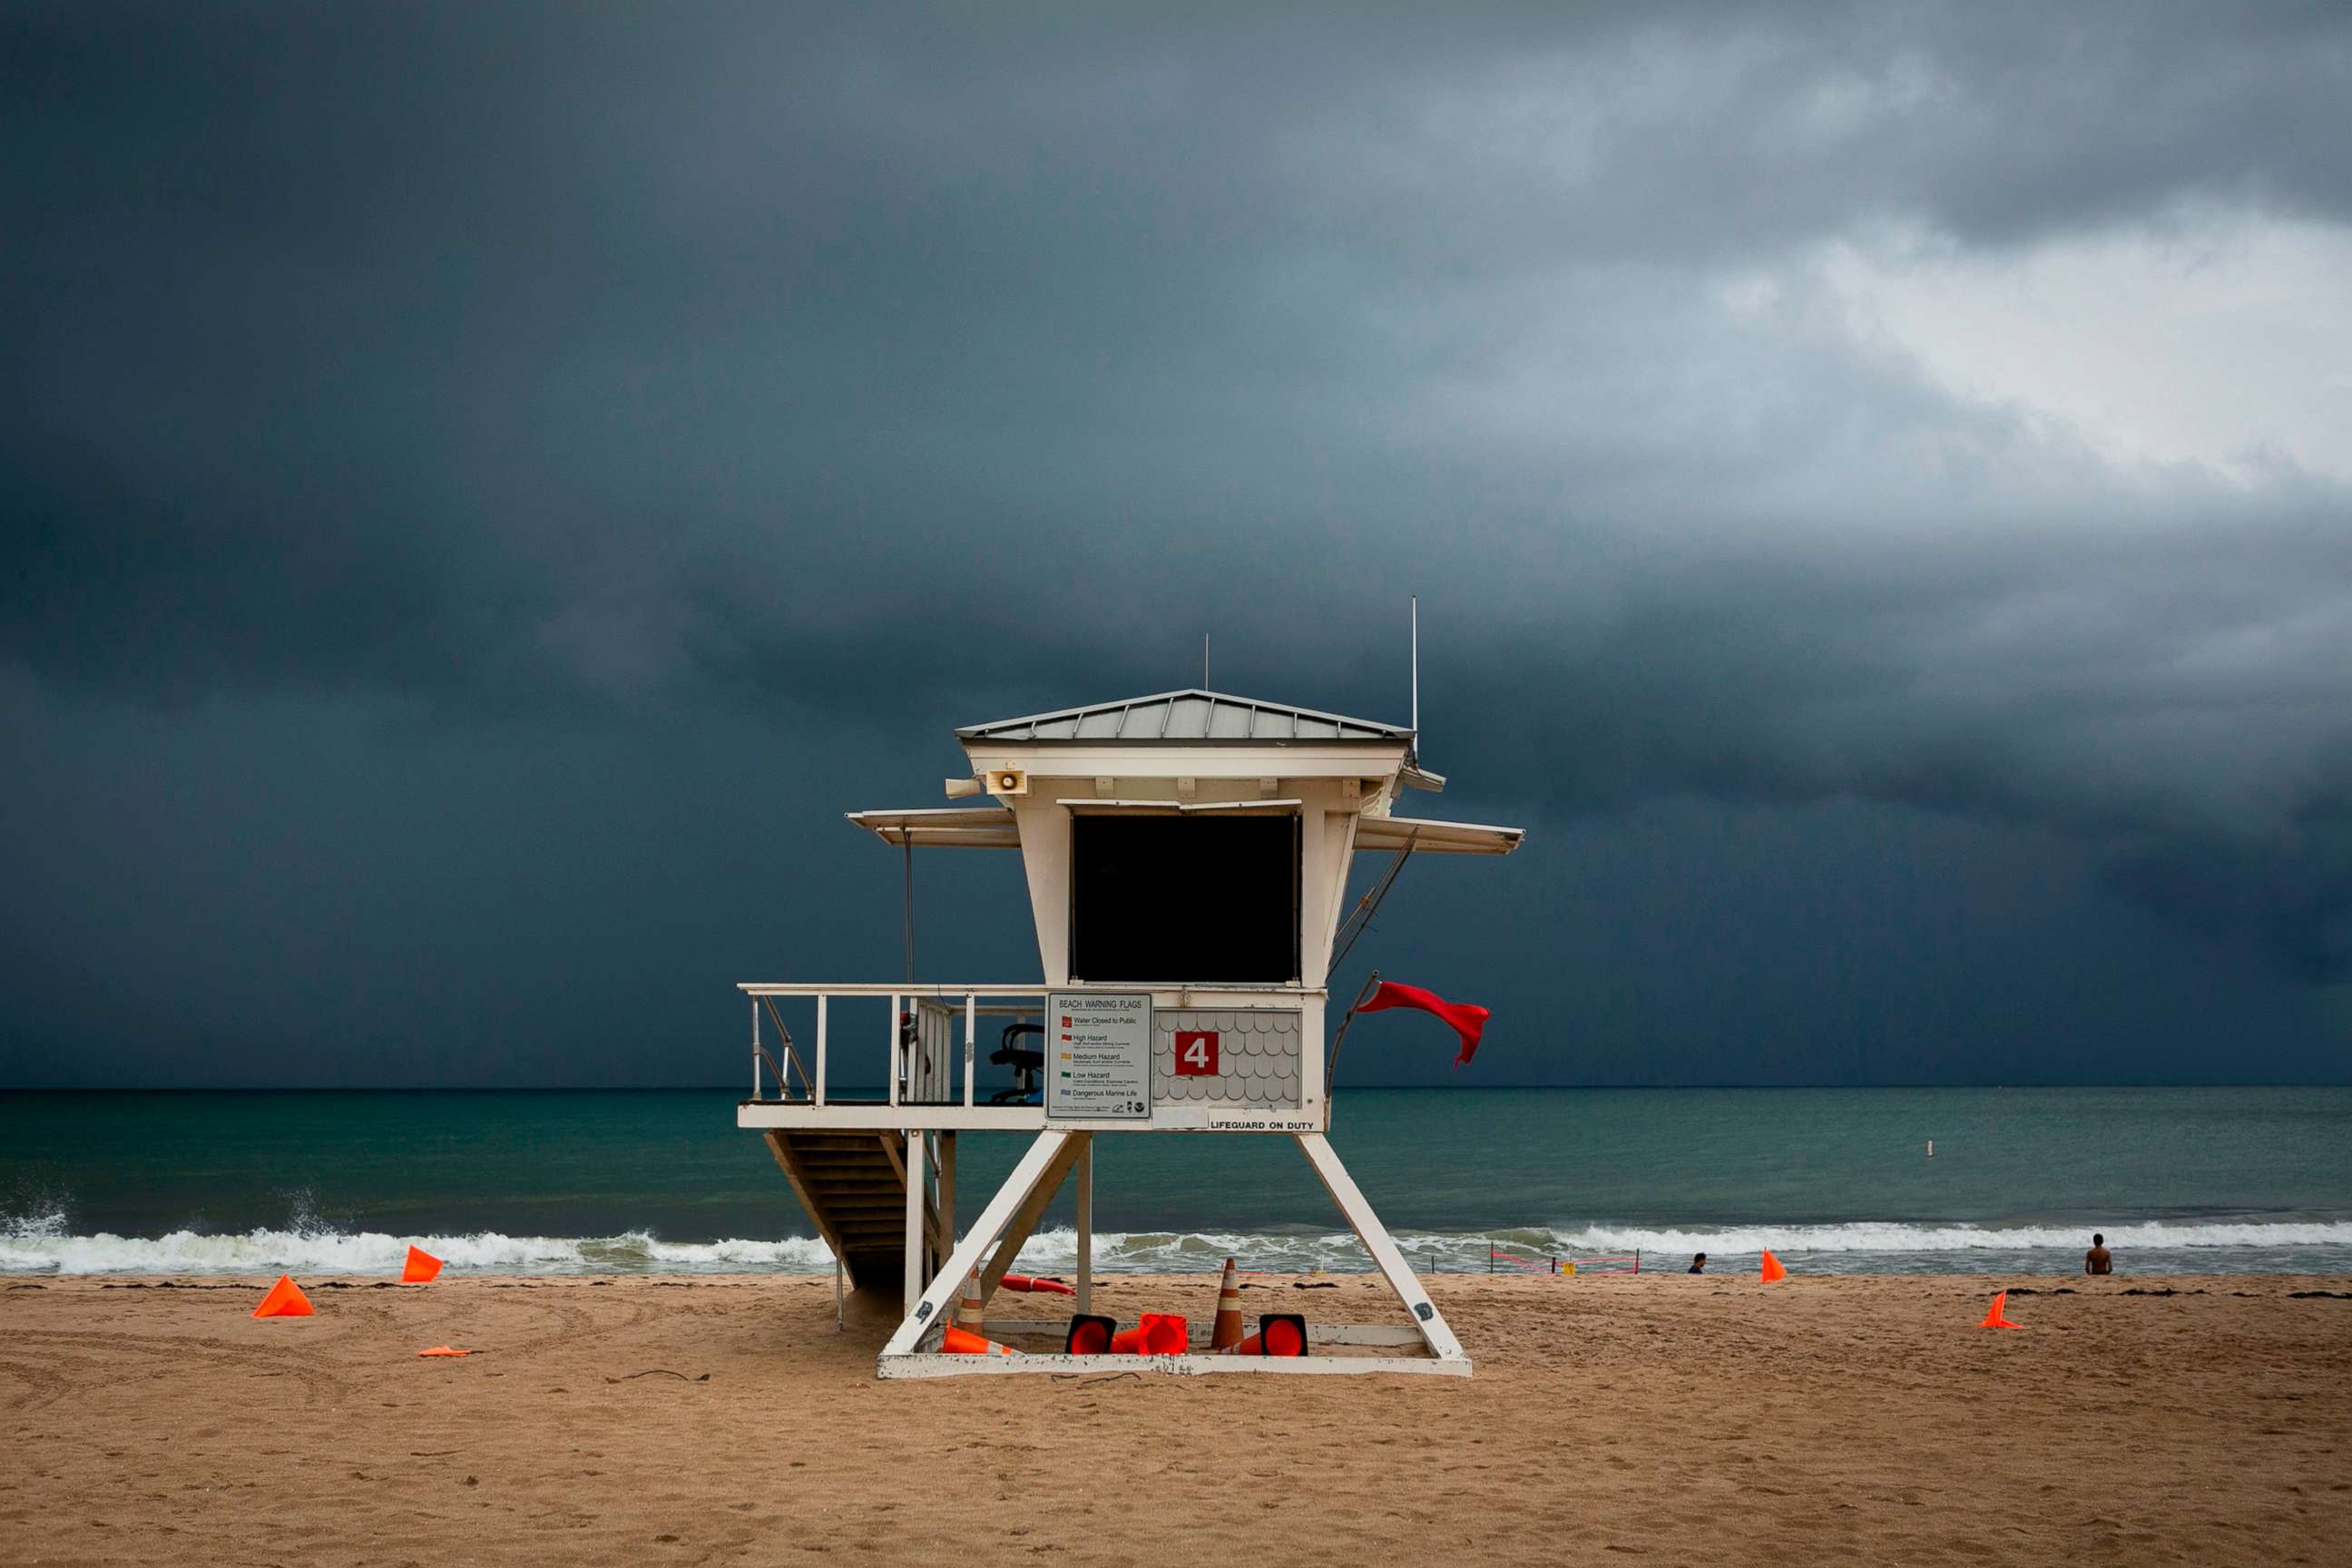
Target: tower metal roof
1191	716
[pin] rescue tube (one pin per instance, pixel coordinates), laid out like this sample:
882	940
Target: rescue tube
1026	1283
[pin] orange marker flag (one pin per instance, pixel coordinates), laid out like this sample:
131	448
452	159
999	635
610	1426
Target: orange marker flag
286	1301
1772	1270
420	1268
443	1349
1999	1317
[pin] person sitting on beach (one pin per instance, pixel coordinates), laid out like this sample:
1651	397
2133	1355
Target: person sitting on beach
2098	1260
1698	1263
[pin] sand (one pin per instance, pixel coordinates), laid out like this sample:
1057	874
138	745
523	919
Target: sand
1682	1419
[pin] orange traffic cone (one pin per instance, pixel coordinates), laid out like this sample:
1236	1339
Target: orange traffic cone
285	1300
443	1349
963	1342
421	1269
1088	1335
1278	1334
1155	1333
1999	1318
969	1313
1772	1270
1227	1330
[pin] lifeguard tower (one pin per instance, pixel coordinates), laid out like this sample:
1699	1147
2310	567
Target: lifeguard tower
1187	857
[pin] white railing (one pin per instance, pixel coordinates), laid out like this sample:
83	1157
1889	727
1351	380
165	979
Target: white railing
919	1051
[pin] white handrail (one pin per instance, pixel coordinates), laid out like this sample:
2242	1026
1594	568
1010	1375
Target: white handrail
901	988
914	1076
1026	988
923	1071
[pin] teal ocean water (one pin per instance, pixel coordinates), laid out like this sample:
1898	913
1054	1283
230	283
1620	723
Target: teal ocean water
1834	1180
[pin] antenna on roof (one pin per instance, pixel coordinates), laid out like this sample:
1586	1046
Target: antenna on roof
1205	661
1416	671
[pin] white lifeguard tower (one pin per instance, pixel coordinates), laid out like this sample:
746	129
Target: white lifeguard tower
1187	858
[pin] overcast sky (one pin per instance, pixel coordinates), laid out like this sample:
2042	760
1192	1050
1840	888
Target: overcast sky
485	487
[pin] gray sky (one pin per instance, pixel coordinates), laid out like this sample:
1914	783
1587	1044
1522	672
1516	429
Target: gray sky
485	487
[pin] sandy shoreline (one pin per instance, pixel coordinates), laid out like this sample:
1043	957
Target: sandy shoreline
1854	1419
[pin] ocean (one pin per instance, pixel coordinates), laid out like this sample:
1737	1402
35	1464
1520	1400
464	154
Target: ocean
1834	1181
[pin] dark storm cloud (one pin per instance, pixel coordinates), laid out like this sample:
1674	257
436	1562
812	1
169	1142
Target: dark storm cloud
577	367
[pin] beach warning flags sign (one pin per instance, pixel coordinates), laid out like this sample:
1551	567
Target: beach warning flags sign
285	1300
1772	1270
1999	1317
421	1268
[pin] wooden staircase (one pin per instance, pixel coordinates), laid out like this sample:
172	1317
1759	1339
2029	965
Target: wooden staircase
854	1186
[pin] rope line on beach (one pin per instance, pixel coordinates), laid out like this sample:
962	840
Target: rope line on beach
661	1372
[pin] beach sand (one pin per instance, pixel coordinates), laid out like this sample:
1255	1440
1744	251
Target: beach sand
1682	1419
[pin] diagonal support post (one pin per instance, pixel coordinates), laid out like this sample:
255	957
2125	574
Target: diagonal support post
1427	1319
1026	1176
1032	1210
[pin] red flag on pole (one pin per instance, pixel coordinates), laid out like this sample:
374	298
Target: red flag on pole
1467	1019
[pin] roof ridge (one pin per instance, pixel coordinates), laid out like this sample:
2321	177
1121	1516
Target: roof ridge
1366	729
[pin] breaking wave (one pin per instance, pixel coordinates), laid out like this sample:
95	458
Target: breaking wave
1854	1248
40	1242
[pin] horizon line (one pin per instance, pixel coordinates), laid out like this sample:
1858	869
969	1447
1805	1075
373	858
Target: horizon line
1354	1088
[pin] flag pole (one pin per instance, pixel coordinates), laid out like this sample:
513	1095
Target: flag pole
1416	677
1371	983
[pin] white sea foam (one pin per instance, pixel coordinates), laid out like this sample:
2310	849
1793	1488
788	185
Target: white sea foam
41	1243
1852	1247
1871	1235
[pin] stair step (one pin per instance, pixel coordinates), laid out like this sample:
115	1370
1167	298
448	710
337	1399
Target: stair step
888	1216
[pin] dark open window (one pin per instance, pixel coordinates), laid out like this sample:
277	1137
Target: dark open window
1193	900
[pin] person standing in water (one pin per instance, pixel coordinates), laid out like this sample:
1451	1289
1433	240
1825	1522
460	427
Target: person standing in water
1698	1264
2098	1260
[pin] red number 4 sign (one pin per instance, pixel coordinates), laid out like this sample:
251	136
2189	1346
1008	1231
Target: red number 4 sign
1196	1053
